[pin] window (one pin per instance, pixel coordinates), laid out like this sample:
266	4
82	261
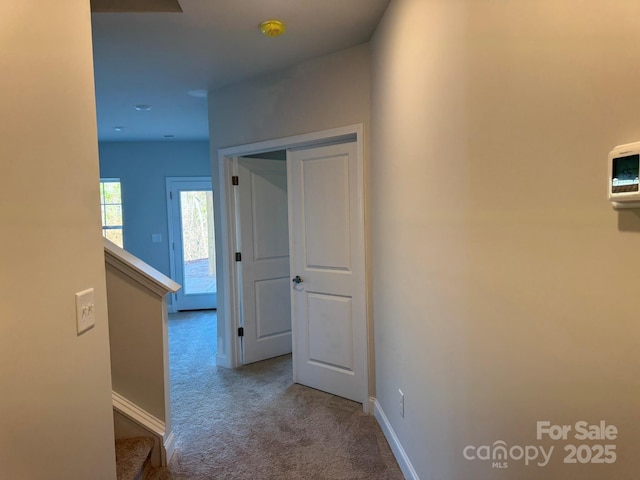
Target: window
111	205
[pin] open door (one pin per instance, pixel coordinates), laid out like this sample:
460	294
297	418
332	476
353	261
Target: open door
263	268
327	269
326	284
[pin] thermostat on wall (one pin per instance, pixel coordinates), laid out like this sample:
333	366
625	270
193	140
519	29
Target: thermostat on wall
622	182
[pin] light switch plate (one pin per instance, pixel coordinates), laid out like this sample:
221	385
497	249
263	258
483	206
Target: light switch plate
85	310
156	237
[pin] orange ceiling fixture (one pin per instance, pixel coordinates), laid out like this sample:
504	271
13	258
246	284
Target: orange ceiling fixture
272	28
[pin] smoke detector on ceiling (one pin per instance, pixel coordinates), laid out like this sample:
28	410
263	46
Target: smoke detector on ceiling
272	28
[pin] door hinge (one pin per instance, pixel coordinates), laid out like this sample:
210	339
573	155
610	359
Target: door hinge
241	332
170	195
235	180
238	257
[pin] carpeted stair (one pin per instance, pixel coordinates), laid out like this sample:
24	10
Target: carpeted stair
133	460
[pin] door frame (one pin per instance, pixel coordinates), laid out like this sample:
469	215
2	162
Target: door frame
229	345
169	181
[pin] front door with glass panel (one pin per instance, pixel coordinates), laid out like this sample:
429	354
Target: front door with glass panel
191	242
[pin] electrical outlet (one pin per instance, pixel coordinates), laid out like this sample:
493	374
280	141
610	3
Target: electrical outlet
85	311
401	404
156	237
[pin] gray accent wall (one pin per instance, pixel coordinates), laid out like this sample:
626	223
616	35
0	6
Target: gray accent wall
142	168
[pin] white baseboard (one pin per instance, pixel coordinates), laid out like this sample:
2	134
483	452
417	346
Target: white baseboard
171	308
169	448
396	447
148	422
222	360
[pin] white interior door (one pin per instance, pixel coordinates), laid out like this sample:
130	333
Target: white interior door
192	243
261	198
327	241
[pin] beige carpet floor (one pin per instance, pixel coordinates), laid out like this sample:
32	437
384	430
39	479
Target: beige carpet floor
254	423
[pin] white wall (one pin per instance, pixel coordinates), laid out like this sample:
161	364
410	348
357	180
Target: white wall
321	94
505	286
137	327
55	401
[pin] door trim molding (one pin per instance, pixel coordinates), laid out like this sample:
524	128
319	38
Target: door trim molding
228	294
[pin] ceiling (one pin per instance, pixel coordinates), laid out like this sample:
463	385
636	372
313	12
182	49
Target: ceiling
157	58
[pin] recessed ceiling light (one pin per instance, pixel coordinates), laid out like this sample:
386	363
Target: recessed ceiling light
119	129
142	107
272	28
169	136
201	93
